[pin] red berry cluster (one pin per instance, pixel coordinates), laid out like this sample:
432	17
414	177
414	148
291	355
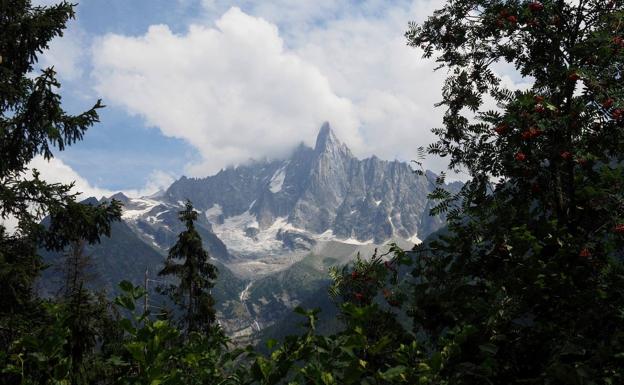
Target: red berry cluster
389	296
504	16
531	133
573	77
619	228
536	6
501	129
520	156
608	103
585	253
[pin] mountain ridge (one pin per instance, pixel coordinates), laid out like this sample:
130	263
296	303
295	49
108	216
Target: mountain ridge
317	190
271	221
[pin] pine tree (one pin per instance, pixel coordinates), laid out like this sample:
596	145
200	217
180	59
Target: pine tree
195	275
32	123
76	270
529	285
85	313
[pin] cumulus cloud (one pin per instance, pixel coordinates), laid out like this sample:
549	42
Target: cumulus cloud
242	88
67	54
233	90
156	181
57	171
392	88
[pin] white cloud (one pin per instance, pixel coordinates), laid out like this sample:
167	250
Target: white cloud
56	171
392	88
233	91
45	3
67	54
156	181
244	89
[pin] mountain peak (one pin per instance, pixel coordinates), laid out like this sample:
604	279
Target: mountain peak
120	197
326	139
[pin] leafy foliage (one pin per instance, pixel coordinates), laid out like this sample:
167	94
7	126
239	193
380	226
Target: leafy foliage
533	262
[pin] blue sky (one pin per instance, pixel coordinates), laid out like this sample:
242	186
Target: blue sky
192	86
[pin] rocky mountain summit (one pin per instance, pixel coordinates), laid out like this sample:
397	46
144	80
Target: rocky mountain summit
320	193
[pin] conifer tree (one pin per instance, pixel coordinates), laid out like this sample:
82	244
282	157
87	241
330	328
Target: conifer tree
33	123
76	270
85	314
189	263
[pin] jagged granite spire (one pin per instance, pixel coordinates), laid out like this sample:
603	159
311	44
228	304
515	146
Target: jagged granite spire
320	189
325	138
326	141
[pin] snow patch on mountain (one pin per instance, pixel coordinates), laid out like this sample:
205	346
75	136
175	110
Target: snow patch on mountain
277	181
138	207
213	213
414	239
242	235
353	241
328	235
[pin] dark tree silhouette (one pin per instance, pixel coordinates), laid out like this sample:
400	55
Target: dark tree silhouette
189	263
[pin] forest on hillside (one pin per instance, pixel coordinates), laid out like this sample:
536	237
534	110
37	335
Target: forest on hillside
525	285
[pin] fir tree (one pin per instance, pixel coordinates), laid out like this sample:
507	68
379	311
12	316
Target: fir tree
85	313
76	270
32	123
189	263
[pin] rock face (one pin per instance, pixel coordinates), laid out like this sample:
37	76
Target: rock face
264	216
320	191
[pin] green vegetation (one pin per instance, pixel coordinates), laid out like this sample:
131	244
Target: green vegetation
195	276
526	286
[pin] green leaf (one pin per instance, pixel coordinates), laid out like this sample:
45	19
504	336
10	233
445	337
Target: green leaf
271	343
489	348
126	325
393	373
327	378
125	302
136	350
264	366
126	286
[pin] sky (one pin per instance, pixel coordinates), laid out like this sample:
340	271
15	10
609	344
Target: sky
193	86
